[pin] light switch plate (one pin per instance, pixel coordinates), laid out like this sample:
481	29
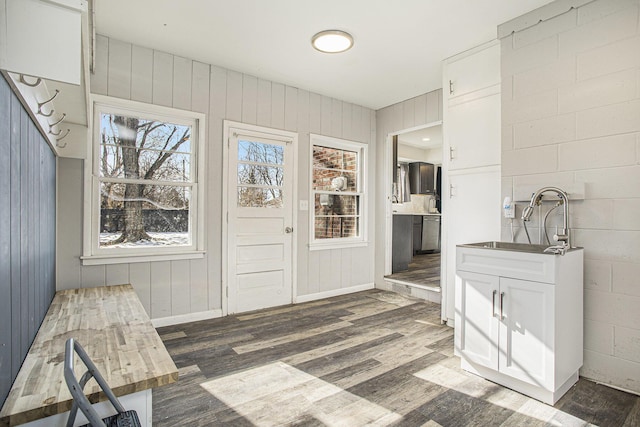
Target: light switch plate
304	205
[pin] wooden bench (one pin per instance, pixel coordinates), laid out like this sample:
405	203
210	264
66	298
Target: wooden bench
116	332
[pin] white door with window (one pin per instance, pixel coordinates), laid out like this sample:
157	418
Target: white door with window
260	206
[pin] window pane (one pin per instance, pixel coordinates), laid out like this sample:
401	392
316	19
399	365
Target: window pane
251	151
144	164
325	179
137	148
250	197
331	227
139	215
329	204
260	175
131	131
334	158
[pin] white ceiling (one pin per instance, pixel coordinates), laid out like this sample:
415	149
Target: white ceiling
399	45
417	138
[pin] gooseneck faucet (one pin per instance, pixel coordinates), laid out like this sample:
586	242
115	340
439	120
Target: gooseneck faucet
564	236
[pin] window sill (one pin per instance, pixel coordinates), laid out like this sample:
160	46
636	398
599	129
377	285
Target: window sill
337	245
133	258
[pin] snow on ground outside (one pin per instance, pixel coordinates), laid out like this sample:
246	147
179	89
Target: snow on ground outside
159	239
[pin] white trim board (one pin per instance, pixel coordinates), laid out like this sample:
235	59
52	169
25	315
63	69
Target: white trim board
186	318
333	293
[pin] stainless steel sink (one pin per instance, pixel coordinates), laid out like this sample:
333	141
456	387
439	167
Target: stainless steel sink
508	246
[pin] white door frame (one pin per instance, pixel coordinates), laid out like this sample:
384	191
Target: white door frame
388	173
276	133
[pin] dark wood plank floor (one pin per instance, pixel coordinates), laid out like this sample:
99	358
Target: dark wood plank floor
370	358
424	269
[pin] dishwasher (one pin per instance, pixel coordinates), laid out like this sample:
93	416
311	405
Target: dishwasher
431	233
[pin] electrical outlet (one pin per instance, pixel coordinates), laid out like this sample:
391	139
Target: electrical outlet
304	205
510	212
509	208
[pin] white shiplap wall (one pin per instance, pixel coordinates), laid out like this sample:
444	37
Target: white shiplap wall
174	288
571	117
414	112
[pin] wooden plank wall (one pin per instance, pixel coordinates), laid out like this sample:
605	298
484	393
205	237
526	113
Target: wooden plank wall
181	287
418	111
27	233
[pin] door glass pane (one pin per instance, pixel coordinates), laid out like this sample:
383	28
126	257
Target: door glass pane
260	175
251	151
251	197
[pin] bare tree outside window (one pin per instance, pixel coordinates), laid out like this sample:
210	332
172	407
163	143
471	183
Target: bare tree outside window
260	174
145	181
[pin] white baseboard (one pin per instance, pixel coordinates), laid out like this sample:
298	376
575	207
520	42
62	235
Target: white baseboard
185	318
333	293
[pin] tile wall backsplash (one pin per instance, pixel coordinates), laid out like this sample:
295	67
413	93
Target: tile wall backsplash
419	204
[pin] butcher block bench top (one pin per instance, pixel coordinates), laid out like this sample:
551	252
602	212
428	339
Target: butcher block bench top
112	326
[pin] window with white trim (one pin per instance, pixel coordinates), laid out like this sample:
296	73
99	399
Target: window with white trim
144	181
338	193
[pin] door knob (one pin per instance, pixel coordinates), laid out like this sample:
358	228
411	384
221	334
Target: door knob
288	230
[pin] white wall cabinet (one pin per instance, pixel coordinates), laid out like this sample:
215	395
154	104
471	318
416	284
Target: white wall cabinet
471	164
473	107
473	132
471	71
42	38
522	333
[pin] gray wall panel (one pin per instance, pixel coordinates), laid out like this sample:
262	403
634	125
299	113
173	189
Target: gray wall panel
27	233
16	298
5	241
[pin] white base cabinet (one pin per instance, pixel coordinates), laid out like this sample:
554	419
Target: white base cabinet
519	318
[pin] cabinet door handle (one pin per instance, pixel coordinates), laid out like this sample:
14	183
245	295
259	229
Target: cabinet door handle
450	87
451	190
451	155
493	303
501	305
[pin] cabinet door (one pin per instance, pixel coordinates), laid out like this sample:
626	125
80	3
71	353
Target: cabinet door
42	38
472	71
471	214
476	331
526	331
402	242
473	133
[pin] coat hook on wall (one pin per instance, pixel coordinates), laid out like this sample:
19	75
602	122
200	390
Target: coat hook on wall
24	82
61	138
42	104
55	133
51	125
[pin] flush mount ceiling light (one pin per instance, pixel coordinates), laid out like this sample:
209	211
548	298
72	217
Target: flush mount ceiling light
332	41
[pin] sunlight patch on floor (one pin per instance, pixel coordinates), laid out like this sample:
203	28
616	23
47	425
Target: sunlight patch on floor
453	378
278	394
